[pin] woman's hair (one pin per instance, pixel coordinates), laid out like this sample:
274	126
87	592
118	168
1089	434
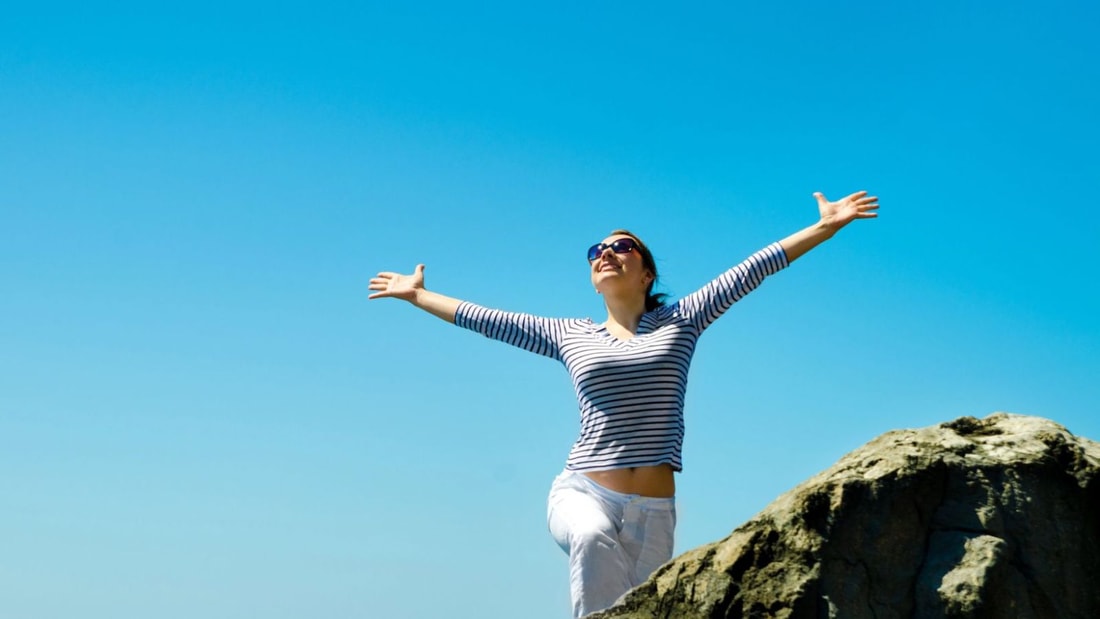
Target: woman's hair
652	301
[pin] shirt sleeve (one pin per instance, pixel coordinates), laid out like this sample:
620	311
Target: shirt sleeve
535	334
705	305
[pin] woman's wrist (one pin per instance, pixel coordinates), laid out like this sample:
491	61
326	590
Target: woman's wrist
826	227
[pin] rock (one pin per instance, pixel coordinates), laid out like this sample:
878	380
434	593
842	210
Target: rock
975	518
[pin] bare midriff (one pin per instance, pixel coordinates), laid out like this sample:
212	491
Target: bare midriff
652	481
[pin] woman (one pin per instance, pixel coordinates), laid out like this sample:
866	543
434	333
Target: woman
612	508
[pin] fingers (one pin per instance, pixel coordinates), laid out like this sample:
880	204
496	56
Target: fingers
857	205
859	197
861	200
391	284
866	206
382	285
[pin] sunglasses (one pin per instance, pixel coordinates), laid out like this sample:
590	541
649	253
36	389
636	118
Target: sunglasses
621	246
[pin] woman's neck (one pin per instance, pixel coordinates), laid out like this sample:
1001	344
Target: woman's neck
624	315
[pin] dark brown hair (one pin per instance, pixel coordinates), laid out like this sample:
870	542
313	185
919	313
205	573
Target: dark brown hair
652	301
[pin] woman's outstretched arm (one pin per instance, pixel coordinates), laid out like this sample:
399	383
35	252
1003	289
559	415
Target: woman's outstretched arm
531	333
411	288
705	305
834	216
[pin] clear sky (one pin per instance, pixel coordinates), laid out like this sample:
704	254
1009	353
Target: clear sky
201	415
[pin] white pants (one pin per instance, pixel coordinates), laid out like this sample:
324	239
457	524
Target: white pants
614	540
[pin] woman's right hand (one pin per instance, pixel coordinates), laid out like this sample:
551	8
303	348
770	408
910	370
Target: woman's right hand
398	286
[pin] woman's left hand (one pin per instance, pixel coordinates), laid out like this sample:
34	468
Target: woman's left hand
836	215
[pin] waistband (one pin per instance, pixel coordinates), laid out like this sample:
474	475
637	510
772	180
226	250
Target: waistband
581	481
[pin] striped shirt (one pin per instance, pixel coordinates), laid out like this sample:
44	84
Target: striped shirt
630	392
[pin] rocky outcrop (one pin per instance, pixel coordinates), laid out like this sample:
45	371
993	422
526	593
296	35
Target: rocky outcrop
995	517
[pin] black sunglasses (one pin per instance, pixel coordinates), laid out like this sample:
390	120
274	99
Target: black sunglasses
621	246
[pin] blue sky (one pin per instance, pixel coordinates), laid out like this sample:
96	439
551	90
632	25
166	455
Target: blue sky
202	415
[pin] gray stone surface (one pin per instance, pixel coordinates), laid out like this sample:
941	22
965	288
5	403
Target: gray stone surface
975	518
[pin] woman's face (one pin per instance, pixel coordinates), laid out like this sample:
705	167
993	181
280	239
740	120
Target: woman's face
622	271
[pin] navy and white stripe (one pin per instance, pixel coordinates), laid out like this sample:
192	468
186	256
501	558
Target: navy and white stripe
630	392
